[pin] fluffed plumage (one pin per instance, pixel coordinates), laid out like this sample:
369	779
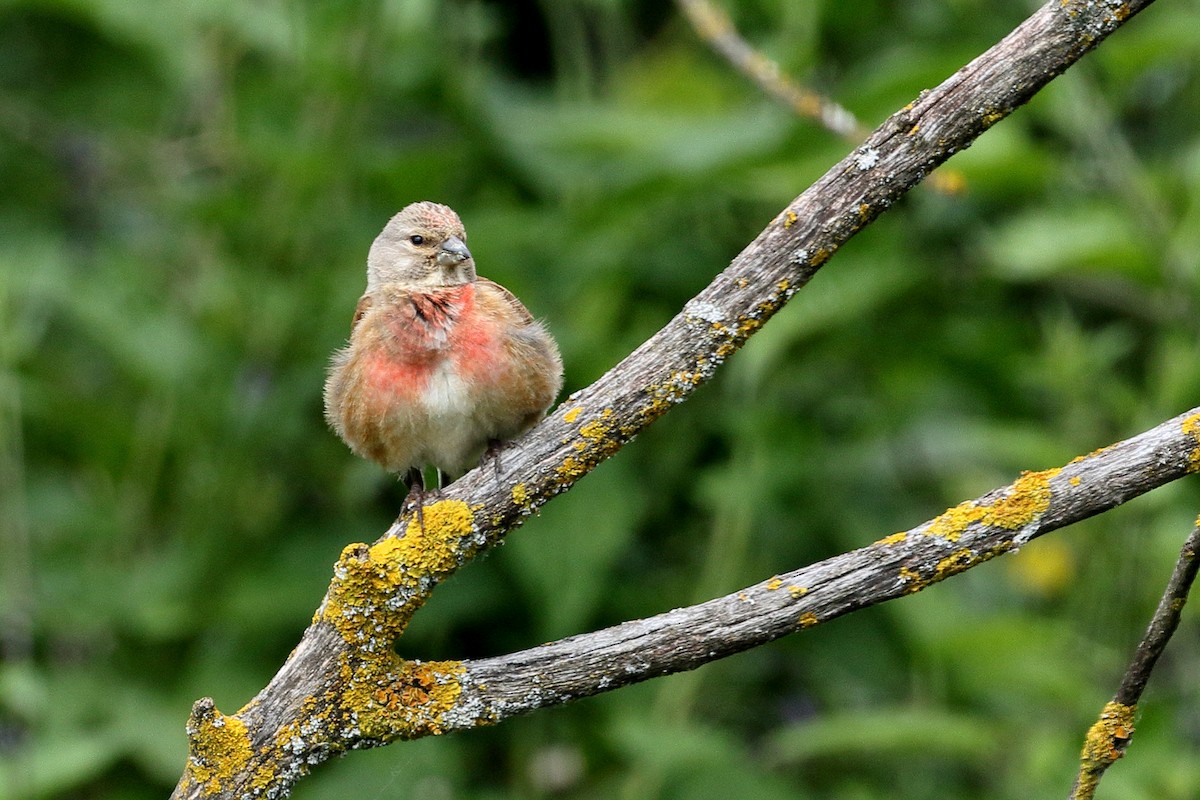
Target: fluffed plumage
441	363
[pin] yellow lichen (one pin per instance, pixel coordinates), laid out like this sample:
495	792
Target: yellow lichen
314	726
808	619
600	439
1191	426
593	430
368	579
895	538
220	749
1075	480
1026	500
790	219
747	326
797	591
520	495
912	578
570	470
1107	738
774	583
376	696
431	543
1095	452
952	522
392	698
954	563
573	414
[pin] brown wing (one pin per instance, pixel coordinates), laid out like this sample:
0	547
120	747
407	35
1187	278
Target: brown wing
364	304
507	296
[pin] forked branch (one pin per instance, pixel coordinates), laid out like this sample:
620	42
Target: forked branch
343	687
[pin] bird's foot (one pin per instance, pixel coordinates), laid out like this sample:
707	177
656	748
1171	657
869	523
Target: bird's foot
416	494
495	448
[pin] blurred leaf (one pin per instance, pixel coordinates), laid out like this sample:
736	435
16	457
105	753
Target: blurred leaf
563	561
1099	239
899	733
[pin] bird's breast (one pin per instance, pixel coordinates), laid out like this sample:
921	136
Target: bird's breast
420	326
435	347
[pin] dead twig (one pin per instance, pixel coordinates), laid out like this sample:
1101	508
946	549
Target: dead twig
1111	734
714	26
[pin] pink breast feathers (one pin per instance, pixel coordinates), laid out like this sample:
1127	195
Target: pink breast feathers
390	377
431	329
476	349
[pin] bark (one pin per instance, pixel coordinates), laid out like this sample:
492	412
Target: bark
343	687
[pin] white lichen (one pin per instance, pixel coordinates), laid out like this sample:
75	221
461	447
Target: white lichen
704	311
866	158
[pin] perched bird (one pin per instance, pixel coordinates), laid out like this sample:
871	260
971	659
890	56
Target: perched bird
442	365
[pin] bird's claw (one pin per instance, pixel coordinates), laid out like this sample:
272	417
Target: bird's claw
495	448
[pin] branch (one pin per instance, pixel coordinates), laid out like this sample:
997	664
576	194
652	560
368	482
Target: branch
714	26
1108	738
904	563
343	687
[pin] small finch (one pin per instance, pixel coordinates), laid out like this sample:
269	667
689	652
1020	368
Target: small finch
442	365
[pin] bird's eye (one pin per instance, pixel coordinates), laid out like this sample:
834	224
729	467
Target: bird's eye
417	238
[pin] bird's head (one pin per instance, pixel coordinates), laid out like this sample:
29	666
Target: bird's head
422	246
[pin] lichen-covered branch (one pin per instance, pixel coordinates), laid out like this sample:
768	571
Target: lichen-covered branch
1111	734
343	687
896	565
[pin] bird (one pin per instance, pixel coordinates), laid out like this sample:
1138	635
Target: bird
442	365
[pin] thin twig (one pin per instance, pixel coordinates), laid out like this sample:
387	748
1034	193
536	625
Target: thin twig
714	26
1108	738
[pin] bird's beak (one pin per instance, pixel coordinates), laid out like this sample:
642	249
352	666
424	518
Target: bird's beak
454	251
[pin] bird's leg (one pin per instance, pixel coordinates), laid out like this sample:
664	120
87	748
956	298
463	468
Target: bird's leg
494	448
416	493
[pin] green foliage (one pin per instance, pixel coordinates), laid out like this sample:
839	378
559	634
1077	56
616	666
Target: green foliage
189	193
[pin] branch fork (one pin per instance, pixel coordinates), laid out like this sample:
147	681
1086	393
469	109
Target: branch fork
344	687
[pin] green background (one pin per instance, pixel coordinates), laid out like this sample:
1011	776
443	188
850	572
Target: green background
187	194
